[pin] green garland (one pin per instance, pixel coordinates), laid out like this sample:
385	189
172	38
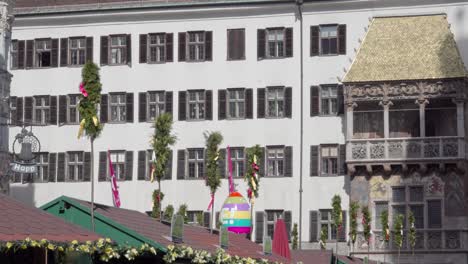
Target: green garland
157	203
353	214
323	237
384	223
337	213
412	230
398	229
294	235
366	222
213	175
253	155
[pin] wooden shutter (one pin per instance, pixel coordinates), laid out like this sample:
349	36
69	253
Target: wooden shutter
103	110
53	110
236	44
13	113
314	40
222	163
63	52
342	160
89	49
168	172
182	105
142	107
340	99
143	48
102	166
208	45
314	101
52	166
314	160
222	104
261	103
341	39
29	53
259	226
260	44
128	165
169	47
129	49
182	46
262	165
342	232
216	221
104	50
62	113
141	165
313	228
206	219
54	57
21	50
87	166
168	103
289	42
61	167
288	161
249	103
209	105
28	109
129	107
19	111
288	222
181	164
288	102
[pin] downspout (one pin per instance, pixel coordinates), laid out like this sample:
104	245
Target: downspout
301	148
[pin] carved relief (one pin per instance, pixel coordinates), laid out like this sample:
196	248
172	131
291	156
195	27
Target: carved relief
454	205
434	186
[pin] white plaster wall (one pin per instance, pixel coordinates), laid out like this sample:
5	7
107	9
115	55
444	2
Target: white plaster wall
279	193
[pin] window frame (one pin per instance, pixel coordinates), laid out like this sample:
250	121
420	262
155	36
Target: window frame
277	100
197	163
277	161
14	54
79	49
160	94
329	223
35	58
329	98
197	43
320	40
268	223
119	104
76	166
40	176
237	102
198	102
229	30
45	109
407	203
276	41
236	160
123	49
117	170
330	157
157	45
70	106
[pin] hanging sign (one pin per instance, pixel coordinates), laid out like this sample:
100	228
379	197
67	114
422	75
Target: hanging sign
25	149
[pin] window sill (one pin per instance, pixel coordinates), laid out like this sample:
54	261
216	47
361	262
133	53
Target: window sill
117	64
73	66
39	68
195	120
156	62
192	179
118	122
241	59
274	58
235	118
329	115
195	61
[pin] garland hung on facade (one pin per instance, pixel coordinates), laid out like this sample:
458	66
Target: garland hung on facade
385	227
337	213
251	176
353	213
366	223
398	229
412	231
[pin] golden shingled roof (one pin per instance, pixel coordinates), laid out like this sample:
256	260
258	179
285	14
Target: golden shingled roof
407	48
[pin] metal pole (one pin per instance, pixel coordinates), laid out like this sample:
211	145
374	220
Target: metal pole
301	149
92	184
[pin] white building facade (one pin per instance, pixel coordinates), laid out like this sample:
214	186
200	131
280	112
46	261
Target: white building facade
233	67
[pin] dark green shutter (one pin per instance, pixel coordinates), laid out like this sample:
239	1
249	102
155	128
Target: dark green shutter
289	42
249	103
261	103
313	228
141	165
314	40
62	106
52	166
314	160
143	47
89	49
208	45
181	164
259	226
169	47
54	54
61	167
314	101
288	161
209	105
128	165
104	50
63	52
182	105
129	107
261	44
342	160
222	104
53	110
182	46
87	166
288	102
103	115
262	164
102	166
168	102
142	107
129	49
341	39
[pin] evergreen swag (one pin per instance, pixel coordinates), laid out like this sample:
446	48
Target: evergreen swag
353	213
294	235
162	139
157	198
337	218
213	175
398	229
253	156
412	231
366	223
385	228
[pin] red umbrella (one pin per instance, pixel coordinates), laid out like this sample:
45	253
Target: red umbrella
280	240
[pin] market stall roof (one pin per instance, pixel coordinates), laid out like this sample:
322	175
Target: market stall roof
19	221
407	48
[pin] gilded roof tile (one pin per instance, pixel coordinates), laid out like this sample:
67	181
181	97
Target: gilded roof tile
407	48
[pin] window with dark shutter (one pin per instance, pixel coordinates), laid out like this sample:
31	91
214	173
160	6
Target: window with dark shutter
52	166
434	214
288	161
28	109
208	45
54	53
53	110
129	49
259	226
181	164
182	46
249	103
104	50
261	103
261	44
169	47
128	165
342	39
313	226
182	105
141	165
314	40
29	53
340	99
169	99
104	108
143	47
342	160
21	53
168	172
288	102
314	101
102	175
289	41
209	105
89	49
142	107
61	167
63	52
236	44
206	219
129	107
222	104
19	111
314	160
87	167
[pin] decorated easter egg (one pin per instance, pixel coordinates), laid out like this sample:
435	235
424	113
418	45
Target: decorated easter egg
235	214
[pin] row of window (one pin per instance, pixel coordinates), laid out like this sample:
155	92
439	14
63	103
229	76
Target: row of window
236	103
158	47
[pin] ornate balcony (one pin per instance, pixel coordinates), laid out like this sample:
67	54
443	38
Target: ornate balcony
404	150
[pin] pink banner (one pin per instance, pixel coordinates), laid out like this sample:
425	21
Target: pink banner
229	160
115	190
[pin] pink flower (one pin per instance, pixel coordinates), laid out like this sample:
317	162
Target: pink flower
83	90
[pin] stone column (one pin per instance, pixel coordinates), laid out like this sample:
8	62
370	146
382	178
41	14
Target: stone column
349	119
422	116
386	106
460	117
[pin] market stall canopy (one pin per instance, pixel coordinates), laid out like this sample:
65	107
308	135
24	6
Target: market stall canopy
407	48
19	221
